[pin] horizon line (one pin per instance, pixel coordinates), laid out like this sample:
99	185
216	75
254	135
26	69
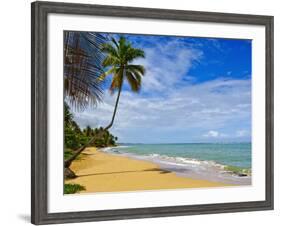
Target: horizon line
231	142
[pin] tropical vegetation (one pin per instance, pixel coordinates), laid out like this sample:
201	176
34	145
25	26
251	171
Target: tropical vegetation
73	188
76	139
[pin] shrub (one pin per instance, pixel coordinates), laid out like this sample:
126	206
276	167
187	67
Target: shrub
73	188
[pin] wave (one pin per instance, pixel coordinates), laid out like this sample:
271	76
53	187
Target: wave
200	165
184	160
113	149
180	161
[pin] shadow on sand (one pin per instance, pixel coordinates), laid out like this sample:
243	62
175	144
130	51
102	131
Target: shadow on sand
161	171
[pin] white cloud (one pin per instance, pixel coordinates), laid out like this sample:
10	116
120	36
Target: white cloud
219	106
242	133
200	107
166	64
212	133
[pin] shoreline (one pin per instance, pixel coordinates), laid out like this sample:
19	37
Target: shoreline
100	171
189	168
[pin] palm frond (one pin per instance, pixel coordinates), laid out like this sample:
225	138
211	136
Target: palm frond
134	79
119	56
111	60
83	59
108	48
112	70
135	67
133	54
117	80
115	43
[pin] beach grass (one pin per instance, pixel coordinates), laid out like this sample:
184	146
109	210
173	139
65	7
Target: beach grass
73	188
237	170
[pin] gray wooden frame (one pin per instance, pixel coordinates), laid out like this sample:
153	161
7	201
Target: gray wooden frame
39	106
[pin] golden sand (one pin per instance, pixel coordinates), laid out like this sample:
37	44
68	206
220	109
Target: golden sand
103	172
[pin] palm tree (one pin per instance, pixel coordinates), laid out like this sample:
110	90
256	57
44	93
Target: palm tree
68	117
82	66
118	62
88	131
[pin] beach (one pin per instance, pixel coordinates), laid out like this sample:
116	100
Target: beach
100	171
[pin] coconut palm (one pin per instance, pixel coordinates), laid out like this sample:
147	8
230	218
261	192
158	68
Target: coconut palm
118	62
82	66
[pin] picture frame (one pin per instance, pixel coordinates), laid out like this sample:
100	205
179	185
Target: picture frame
40	119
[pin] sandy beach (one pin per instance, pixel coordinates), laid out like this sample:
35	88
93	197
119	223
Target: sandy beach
98	171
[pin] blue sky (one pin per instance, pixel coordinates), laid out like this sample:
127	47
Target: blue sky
194	90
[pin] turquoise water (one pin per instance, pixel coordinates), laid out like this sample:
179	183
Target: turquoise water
232	154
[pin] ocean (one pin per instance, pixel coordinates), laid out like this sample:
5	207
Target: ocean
232	154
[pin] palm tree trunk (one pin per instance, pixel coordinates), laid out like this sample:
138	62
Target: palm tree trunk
68	173
116	103
68	162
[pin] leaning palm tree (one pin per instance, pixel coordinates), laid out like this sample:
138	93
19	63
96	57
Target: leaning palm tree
118	62
82	66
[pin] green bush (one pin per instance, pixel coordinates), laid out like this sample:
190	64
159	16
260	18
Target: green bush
74	137
237	170
67	153
73	188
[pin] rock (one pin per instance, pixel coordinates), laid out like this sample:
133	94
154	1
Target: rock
242	175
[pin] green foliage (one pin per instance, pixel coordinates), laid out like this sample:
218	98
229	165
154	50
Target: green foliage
67	153
73	188
103	138
75	138
120	55
237	170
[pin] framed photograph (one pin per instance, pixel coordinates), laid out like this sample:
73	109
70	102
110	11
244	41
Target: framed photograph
140	112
